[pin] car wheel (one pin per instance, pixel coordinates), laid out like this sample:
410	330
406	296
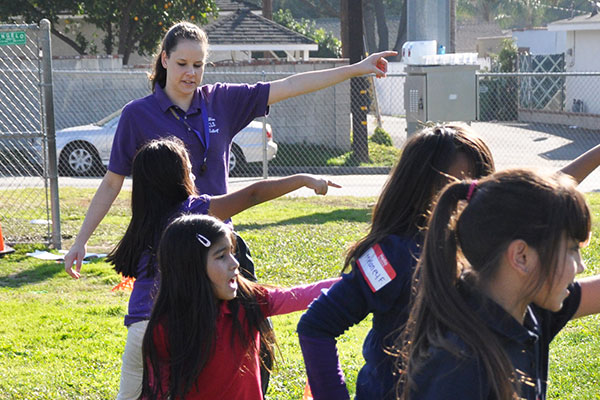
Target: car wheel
237	162
80	159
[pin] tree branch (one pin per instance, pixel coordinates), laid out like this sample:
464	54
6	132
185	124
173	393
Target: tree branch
68	40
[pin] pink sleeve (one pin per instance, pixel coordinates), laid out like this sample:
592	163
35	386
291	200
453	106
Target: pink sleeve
297	298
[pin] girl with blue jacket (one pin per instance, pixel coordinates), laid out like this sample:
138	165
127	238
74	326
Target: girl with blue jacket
380	266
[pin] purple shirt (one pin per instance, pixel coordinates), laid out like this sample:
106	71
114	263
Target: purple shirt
146	285
230	108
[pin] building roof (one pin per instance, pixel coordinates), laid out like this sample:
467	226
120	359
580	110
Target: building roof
578	23
243	30
231	5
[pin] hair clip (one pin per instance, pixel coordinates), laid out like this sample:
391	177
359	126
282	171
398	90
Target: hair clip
472	187
202	239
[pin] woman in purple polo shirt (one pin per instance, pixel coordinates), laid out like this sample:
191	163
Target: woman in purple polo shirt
205	118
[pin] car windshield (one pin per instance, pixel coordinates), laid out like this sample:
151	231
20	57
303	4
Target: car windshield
108	118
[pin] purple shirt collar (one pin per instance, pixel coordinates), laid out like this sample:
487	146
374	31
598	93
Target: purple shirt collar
164	102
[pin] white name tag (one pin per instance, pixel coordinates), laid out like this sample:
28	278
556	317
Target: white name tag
376	268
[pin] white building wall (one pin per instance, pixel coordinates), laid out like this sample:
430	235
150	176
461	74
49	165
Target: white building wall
585	48
541	41
583	56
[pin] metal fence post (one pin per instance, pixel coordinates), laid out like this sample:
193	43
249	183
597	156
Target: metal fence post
50	131
265	165
477	97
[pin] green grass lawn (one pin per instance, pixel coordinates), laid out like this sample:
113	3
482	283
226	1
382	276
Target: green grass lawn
63	339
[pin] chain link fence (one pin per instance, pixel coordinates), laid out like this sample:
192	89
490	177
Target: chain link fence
308	130
528	119
539	119
25	191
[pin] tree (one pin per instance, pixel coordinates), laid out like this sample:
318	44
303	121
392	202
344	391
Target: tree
138	25
267	9
522	13
344	28
130	25
329	45
374	16
507	58
382	29
402	29
34	11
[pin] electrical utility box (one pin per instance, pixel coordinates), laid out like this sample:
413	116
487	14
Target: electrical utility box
439	93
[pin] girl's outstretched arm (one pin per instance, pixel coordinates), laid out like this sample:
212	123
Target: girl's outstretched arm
590	296
583	165
297	298
101	203
307	82
228	205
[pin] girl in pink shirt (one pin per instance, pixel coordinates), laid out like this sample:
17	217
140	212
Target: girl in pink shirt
208	322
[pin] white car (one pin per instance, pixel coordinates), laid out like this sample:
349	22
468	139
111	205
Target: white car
85	150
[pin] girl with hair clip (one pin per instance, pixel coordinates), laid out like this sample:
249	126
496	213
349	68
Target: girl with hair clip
495	284
204	117
382	263
208	322
162	189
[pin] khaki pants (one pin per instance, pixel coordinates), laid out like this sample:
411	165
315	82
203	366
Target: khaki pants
132	369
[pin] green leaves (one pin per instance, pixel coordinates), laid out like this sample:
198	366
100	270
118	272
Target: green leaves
329	45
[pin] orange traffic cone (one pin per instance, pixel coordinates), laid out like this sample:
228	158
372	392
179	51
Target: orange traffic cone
4	249
126	284
307	393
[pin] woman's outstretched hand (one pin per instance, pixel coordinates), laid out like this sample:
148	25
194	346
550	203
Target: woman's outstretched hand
375	63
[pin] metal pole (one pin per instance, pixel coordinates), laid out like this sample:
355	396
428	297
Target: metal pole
50	131
372	82
376	102
359	96
477	107
265	169
429	20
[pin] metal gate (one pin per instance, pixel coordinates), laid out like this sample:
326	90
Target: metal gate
28	189
542	92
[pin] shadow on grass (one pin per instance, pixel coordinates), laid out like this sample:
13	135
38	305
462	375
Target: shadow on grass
33	275
346	215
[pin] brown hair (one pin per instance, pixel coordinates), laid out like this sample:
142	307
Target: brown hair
516	204
417	178
179	31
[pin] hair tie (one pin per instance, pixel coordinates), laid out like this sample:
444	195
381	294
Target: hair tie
202	239
471	190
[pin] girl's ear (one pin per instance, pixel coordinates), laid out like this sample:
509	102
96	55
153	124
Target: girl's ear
522	257
163	59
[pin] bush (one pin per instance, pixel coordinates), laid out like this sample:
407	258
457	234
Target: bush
329	45
381	137
379	156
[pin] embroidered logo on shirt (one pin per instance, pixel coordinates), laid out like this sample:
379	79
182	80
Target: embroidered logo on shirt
212	123
376	268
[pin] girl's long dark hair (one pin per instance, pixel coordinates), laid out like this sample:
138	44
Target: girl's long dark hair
463	250
179	31
186	308
420	174
160	183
